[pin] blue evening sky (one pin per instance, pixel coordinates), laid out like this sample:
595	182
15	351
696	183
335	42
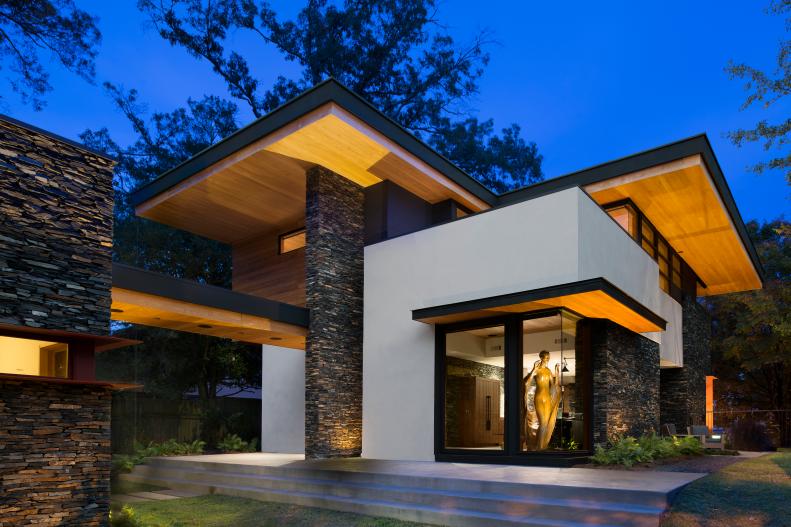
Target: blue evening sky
587	81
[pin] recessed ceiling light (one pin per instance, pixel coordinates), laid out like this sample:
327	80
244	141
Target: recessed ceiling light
275	338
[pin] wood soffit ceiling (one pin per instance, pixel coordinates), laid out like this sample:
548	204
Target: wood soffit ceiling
681	201
261	187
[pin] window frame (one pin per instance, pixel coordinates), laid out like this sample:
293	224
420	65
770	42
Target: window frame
291	234
511	452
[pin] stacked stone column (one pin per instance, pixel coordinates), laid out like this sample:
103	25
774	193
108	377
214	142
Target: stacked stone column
683	390
625	382
334	223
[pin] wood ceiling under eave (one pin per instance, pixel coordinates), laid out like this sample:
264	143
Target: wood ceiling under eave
681	201
261	187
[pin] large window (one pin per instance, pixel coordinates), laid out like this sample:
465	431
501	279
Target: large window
475	388
552	414
34	357
629	217
513	387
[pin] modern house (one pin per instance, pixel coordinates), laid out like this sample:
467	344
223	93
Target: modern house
406	312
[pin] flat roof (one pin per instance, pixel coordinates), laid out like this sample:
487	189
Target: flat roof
695	145
593	298
151	283
329	91
255	189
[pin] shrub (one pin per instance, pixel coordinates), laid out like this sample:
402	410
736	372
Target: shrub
124	517
234	443
688	446
747	433
628	450
171	447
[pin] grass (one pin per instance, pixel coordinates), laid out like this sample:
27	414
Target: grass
223	511
751	493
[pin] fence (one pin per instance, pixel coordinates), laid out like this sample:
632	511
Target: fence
140	418
755	429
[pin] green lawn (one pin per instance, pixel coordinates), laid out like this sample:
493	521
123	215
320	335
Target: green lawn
224	511
751	493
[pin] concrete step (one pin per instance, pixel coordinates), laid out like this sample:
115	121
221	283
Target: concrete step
577	509
644	498
442	501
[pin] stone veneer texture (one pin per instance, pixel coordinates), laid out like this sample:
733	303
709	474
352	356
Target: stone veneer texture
54	454
625	382
56	215
334	289
683	390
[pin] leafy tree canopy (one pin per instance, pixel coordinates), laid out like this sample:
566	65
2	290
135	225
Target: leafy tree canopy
752	331
768	89
30	27
393	53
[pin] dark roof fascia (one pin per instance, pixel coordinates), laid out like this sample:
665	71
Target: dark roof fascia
695	145
583	286
143	281
54	136
323	93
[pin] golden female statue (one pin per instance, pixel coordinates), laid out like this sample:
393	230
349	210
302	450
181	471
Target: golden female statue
545	401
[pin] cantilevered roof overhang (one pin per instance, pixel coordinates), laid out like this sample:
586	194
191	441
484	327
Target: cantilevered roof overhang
594	298
253	183
153	299
254	180
682	191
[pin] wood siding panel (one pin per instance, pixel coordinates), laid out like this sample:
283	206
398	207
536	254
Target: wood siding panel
259	270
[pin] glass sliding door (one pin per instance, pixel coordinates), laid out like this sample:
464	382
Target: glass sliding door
514	387
552	412
475	389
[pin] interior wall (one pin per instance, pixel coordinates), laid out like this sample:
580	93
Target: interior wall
20	356
259	270
282	400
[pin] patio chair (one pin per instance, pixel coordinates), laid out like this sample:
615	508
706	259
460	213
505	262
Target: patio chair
669	430
706	439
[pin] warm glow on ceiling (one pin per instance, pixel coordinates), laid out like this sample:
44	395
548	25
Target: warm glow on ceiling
680	200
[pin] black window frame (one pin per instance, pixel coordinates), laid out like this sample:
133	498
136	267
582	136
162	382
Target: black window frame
676	289
289	234
512	346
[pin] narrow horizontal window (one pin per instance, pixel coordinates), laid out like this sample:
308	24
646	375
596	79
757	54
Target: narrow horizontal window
34	357
291	241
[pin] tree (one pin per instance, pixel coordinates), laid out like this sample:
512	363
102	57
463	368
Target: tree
170	363
752	332
393	53
768	89
28	27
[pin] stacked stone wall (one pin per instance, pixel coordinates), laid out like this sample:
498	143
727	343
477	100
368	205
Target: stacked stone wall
683	390
54	454
56	217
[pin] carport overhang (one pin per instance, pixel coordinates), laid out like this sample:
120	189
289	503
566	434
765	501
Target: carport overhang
152	299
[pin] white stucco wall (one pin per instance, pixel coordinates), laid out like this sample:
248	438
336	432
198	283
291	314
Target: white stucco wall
556	239
282	400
